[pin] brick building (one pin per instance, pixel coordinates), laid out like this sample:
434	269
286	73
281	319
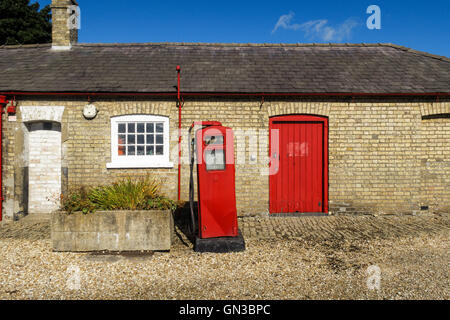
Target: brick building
90	113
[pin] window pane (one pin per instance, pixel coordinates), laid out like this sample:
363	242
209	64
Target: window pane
213	140
159	150
131	139
150	151
141	127
141	139
150	139
215	159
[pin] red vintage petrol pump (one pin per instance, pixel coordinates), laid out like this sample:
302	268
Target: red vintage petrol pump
217	225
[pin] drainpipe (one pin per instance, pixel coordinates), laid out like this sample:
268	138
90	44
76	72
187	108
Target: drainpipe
3	102
179	131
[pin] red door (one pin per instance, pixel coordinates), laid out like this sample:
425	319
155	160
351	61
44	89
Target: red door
301	182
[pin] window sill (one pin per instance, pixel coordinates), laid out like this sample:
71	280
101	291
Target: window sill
121	165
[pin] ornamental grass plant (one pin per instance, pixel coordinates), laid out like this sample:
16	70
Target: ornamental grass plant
126	194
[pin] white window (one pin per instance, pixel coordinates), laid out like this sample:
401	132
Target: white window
140	141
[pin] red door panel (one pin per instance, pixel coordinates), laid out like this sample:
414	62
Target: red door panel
301	182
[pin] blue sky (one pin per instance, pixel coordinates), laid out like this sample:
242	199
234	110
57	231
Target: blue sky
421	25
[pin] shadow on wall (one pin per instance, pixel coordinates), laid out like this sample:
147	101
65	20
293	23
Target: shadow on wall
43	126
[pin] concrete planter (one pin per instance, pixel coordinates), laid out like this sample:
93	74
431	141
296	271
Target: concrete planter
112	231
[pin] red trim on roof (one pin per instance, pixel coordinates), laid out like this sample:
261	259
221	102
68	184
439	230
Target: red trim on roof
174	94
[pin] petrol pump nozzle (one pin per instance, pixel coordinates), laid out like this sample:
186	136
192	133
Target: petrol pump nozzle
191	180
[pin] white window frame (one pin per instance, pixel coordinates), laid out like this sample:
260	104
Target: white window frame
154	161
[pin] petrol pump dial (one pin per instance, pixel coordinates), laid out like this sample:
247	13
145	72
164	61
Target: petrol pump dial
214	153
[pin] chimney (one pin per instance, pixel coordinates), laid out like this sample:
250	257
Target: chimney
66	22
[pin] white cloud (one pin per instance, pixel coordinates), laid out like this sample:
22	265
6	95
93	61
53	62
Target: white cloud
317	29
285	22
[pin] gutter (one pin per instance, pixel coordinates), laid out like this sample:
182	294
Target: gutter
179	105
224	94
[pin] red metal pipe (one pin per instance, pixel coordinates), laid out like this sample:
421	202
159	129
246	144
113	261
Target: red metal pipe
3	102
179	131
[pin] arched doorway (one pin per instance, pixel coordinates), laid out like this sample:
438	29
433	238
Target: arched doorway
44	169
43	157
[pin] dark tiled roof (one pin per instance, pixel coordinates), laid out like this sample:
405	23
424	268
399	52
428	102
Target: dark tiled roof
224	68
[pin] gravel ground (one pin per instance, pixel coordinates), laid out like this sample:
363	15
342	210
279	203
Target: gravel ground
411	267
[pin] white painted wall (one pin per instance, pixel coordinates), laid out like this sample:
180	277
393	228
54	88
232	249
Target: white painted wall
44	169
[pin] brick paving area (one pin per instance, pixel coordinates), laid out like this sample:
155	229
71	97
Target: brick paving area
342	227
332	228
309	228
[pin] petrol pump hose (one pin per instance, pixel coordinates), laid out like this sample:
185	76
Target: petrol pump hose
191	181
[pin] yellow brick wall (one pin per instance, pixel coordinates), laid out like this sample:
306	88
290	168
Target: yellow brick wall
377	148
434	153
373	156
